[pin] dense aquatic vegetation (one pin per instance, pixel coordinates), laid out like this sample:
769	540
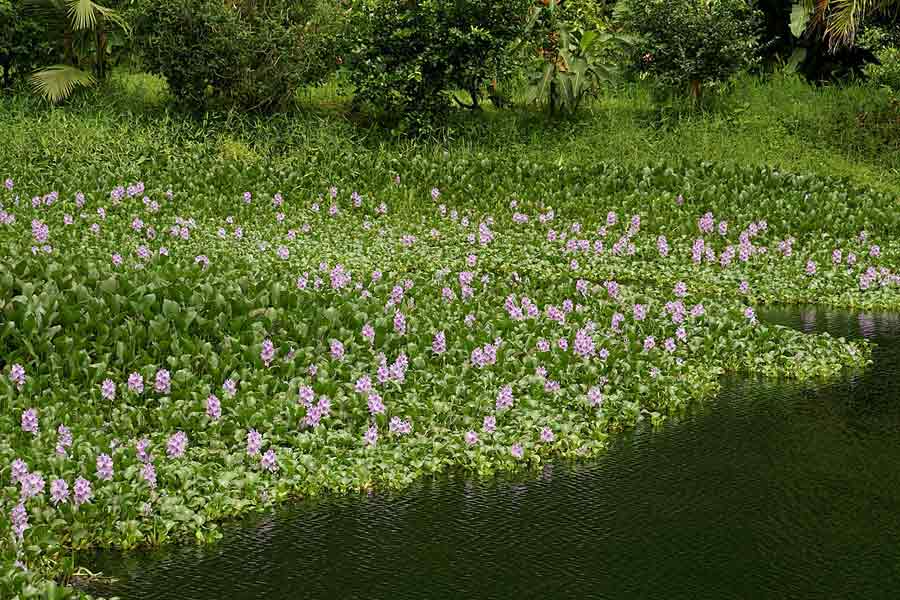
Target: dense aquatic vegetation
220	339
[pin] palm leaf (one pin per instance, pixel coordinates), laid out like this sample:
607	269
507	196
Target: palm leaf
84	14
59	81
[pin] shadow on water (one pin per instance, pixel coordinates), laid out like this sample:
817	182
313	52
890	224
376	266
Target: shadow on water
769	491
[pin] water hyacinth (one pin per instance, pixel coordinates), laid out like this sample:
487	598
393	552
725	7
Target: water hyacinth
268	461
82	492
59	492
108	390
18	518
104	467
17	376
213	407
176	445
254	442
471	438
30	421
136	383
371	436
148	474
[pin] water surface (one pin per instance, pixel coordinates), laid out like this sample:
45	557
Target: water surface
769	491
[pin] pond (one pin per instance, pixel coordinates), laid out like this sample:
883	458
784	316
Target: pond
769	491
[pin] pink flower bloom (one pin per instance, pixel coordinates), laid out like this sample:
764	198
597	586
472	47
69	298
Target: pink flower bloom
30	421
680	289
595	396
229	388
104	467
337	350
18	516
83	492
17	376
439	344
547	435
810	268
268	461
376	405
517	450
177	444
163	382
18	471
117	259
267	352
368	333
136	383
370	438
490	424
213	408
148	473
400	426
505	398
471	438
59	491
254	442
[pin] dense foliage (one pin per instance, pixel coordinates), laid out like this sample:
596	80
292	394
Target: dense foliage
690	44
408	57
244	55
25	41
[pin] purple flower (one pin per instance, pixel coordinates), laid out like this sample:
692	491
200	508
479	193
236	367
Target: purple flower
18	517
32	485
30	421
371	436
163	383
836	256
254	442
368	333
399	323
680	289
9	184
698	311
83	492
136	383
505	398
267	352
439	344
376	406
751	316
59	491
213	407
584	343
874	251
547	435
177	444
268	461
810	268
490	424
649	343
63	439
229	388
104	467
400	426
471	438
141	447
517	450
108	390
640	312
669	345
595	396
18	471
148	473
744	287
17	376
337	350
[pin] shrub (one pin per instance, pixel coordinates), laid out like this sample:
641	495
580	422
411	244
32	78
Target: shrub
24	42
407	57
245	55
690	44
884	42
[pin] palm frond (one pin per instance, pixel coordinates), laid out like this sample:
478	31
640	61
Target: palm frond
59	81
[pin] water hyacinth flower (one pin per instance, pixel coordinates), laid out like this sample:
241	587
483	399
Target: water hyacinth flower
669	345
268	461
104	467
229	388
836	256
505	398
649	343
267	352
471	438
213	407
31	486
18	470
517	450
30	421
141	447
439	344
17	376
810	268
595	396
750	315
584	343
82	492
254	442
375	404
680	289
18	518
490	424
547	435
370	438
148	474
59	492
400	426
63	440
368	333
337	350
640	312
177	445
163	382
136	383
744	287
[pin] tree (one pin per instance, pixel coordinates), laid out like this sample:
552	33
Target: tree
82	25
840	19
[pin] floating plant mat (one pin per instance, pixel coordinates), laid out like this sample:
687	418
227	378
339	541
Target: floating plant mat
771	490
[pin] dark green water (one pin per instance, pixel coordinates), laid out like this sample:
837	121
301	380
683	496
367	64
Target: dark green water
769	491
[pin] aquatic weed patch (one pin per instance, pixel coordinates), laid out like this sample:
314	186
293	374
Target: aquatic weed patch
169	361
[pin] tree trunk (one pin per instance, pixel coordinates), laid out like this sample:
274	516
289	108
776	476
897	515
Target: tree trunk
102	38
696	90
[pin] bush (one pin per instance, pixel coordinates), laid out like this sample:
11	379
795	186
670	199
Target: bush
407	57
24	42
884	42
246	56
691	44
